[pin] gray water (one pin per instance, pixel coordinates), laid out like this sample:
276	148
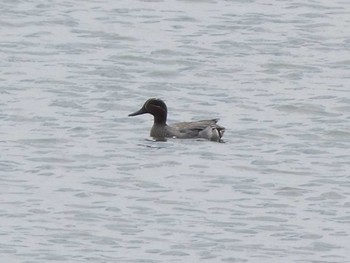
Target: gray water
82	182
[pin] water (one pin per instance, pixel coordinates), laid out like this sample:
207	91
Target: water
81	182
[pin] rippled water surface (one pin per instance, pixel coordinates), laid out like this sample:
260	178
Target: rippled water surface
81	182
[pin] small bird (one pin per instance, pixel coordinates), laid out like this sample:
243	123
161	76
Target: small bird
207	129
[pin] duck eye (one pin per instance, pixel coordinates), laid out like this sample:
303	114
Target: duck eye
155	103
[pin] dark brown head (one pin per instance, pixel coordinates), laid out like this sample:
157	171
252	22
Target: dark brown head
156	107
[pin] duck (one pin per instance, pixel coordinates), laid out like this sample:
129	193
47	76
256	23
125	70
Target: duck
207	129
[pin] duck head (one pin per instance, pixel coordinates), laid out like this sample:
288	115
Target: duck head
156	107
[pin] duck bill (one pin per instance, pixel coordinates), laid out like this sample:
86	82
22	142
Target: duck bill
139	112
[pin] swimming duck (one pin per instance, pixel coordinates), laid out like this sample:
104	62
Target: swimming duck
207	129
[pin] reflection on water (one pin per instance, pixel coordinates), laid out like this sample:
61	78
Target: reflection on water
80	182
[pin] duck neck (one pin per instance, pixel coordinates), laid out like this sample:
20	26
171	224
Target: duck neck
160	118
